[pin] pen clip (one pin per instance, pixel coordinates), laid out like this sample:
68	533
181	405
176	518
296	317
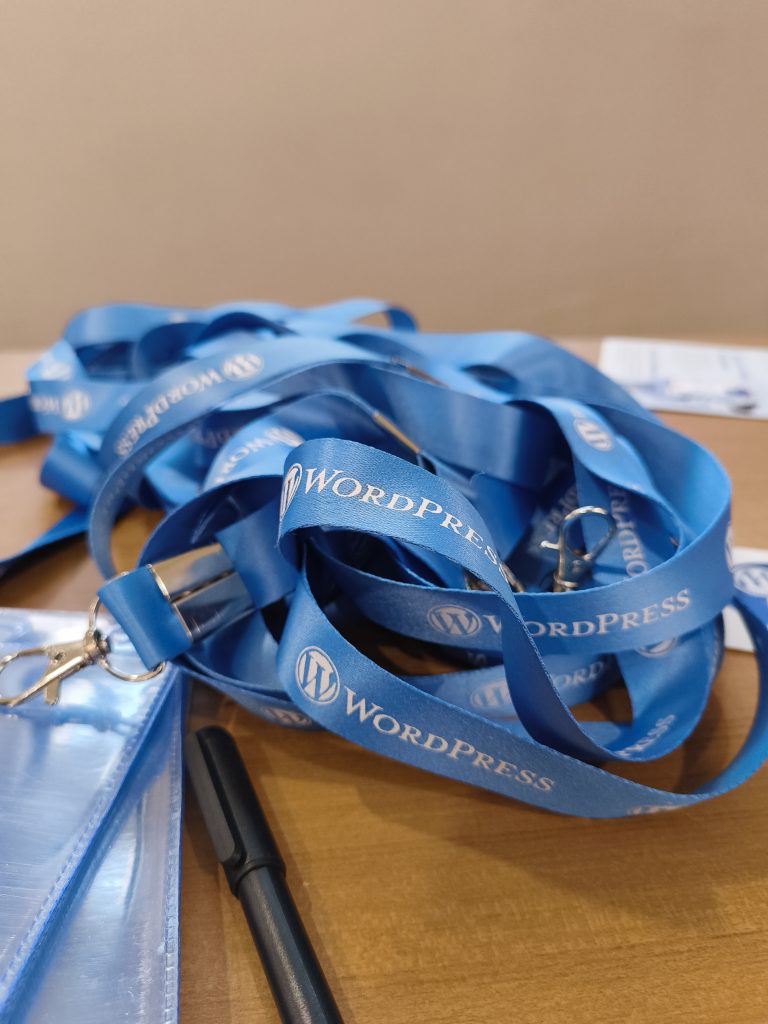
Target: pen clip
232	814
224	842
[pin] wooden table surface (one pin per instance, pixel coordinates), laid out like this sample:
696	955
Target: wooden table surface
430	901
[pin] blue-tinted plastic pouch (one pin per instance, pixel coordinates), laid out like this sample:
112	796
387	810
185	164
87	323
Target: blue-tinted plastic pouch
90	808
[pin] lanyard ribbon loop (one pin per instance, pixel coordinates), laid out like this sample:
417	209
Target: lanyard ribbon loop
332	490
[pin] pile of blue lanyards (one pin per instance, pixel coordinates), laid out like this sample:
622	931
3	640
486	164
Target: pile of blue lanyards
488	497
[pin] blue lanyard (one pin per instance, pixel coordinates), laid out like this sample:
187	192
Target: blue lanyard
489	496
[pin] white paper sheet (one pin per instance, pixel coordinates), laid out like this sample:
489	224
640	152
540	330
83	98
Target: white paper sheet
717	380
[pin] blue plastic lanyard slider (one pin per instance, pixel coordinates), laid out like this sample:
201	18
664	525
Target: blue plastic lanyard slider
573	563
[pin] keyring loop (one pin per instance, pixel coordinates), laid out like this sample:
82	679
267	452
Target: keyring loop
104	647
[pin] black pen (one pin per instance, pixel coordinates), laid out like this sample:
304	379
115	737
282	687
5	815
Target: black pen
255	871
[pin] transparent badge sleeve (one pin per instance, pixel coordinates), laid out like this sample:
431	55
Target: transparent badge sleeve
89	849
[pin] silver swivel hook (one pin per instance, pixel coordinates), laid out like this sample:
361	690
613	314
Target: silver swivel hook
64	659
573	563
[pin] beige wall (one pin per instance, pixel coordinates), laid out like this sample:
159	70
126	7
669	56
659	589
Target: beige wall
564	165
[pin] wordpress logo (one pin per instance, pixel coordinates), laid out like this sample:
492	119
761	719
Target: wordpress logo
289	716
651	808
281	435
593	434
52	369
316	676
454	620
751	579
729	547
492	695
291	482
659	650
242	366
74	405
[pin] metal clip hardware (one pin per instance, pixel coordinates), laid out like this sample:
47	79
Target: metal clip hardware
203	589
392	428
472	582
414	371
386	424
574	563
67	658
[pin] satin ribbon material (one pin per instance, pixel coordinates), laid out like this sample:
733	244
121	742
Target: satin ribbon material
358	476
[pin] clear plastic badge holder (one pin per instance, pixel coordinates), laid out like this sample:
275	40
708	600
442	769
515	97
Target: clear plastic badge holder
89	848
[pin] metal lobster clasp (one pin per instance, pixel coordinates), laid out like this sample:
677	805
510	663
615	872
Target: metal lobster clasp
573	563
64	659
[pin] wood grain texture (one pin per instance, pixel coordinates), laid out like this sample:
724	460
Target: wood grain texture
430	901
